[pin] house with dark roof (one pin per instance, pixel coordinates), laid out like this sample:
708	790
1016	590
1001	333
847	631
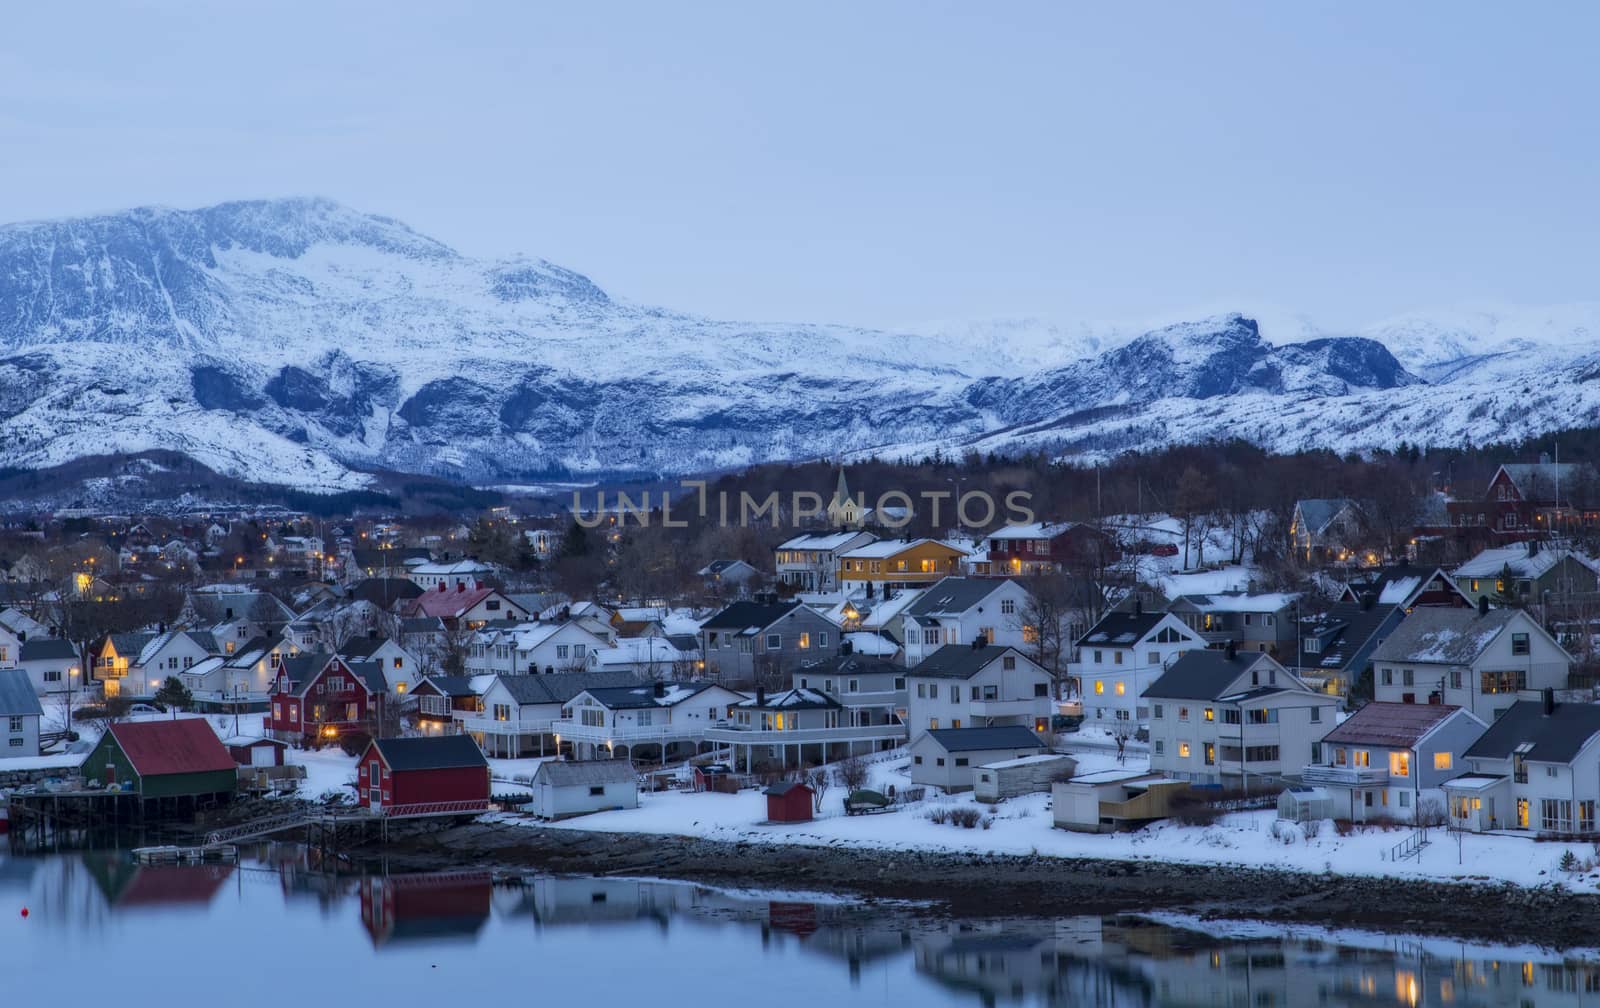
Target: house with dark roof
764	638
650	720
1405	586
947	757
20	714
1234	718
384	593
1335	646
318	696
1536	768
235	616
1254	621
401	668
52	665
957	610
520	711
1532	571
112	664
181	758
1526	500
725	575
1478	658
1389	761
431	775
1121	655
871	689
1049	547
977	685
1325	529
442	699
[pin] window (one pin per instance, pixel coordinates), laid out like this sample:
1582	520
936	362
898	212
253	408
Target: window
1519	644
961	761
933	724
1009	662
1408	677
1519	769
1183	713
774	642
398	663
1586	817
854	686
1400	764
16	743
1549	771
803	643
1455	678
1405	799
1116	656
1209	714
52	675
1098	658
1388	677
1155	658
917	760
900	683
1160	747
939	761
1099	687
1316	717
1211	754
561	652
1158	712
1121	688
1183	750
502	712
16	724
955	694
596	790
1502	682
1230	715
1555	815
1041	689
1311	645
1442	760
1008	607
822	638
930	635
955	723
1263	716
1260	754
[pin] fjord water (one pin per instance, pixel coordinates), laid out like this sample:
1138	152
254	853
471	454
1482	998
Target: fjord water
274	930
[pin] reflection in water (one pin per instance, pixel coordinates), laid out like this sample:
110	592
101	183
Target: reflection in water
635	941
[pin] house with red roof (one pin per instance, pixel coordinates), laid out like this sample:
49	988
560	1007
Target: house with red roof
181	758
1388	759
467	604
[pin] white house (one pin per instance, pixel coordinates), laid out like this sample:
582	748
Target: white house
970	686
1473	658
563	789
453	574
811	562
19	714
1537	768
1235	718
956	610
52	664
401	668
1121	656
534	647
947	757
170	653
658	717
1390	760
520	711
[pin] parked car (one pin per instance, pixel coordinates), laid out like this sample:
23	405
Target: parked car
1066	722
144	708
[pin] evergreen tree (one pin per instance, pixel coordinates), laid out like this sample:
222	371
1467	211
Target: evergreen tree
174	693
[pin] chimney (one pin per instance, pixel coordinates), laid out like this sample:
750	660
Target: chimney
1232	650
1368	600
1138	604
847	647
1533	547
660	689
761	696
1547	697
1483	605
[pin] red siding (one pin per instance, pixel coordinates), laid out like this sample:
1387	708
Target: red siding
415	787
793	806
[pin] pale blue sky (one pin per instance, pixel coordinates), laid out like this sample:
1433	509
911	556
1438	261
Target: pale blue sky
878	163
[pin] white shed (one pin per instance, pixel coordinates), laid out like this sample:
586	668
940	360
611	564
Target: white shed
994	782
565	788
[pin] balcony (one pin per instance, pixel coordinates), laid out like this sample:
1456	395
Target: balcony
1349	776
1030	707
491	726
727	735
603	734
883	698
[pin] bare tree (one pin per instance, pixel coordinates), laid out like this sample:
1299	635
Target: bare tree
853	773
818	781
1121	732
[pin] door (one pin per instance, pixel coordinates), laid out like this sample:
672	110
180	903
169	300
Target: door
375	784
111	774
1522	813
263	756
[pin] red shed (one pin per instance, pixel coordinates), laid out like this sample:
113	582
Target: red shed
789	801
433	775
248	751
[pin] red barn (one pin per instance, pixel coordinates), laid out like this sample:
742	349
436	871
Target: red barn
432	775
789	801
317	695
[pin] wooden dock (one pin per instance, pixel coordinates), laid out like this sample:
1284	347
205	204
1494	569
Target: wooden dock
170	854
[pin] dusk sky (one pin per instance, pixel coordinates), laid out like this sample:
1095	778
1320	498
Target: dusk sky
881	163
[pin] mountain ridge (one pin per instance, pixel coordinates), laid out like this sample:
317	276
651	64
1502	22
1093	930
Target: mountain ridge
306	343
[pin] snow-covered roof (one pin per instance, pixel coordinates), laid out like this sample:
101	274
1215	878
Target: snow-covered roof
892	547
1444	636
1242	602
820	542
1034	530
871	644
1026	761
1491	562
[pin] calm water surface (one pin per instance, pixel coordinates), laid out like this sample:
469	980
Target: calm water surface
274	930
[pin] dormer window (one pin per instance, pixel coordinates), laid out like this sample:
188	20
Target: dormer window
1312	645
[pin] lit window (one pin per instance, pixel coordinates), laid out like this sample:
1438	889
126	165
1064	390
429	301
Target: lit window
1210	714
1099	687
1183	750
1121	689
1441	761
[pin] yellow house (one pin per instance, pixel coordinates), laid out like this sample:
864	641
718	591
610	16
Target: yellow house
898	563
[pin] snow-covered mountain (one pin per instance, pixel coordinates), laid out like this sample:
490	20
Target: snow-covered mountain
303	343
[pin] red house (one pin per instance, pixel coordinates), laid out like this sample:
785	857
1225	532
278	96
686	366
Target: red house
1048	546
432	775
789	801
317	695
465	605
256	752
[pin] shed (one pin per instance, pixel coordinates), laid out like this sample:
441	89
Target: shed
182	758
994	782
572	788
431	775
1110	800
254	751
789	801
1302	803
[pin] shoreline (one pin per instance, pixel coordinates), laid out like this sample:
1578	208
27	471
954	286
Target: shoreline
987	886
